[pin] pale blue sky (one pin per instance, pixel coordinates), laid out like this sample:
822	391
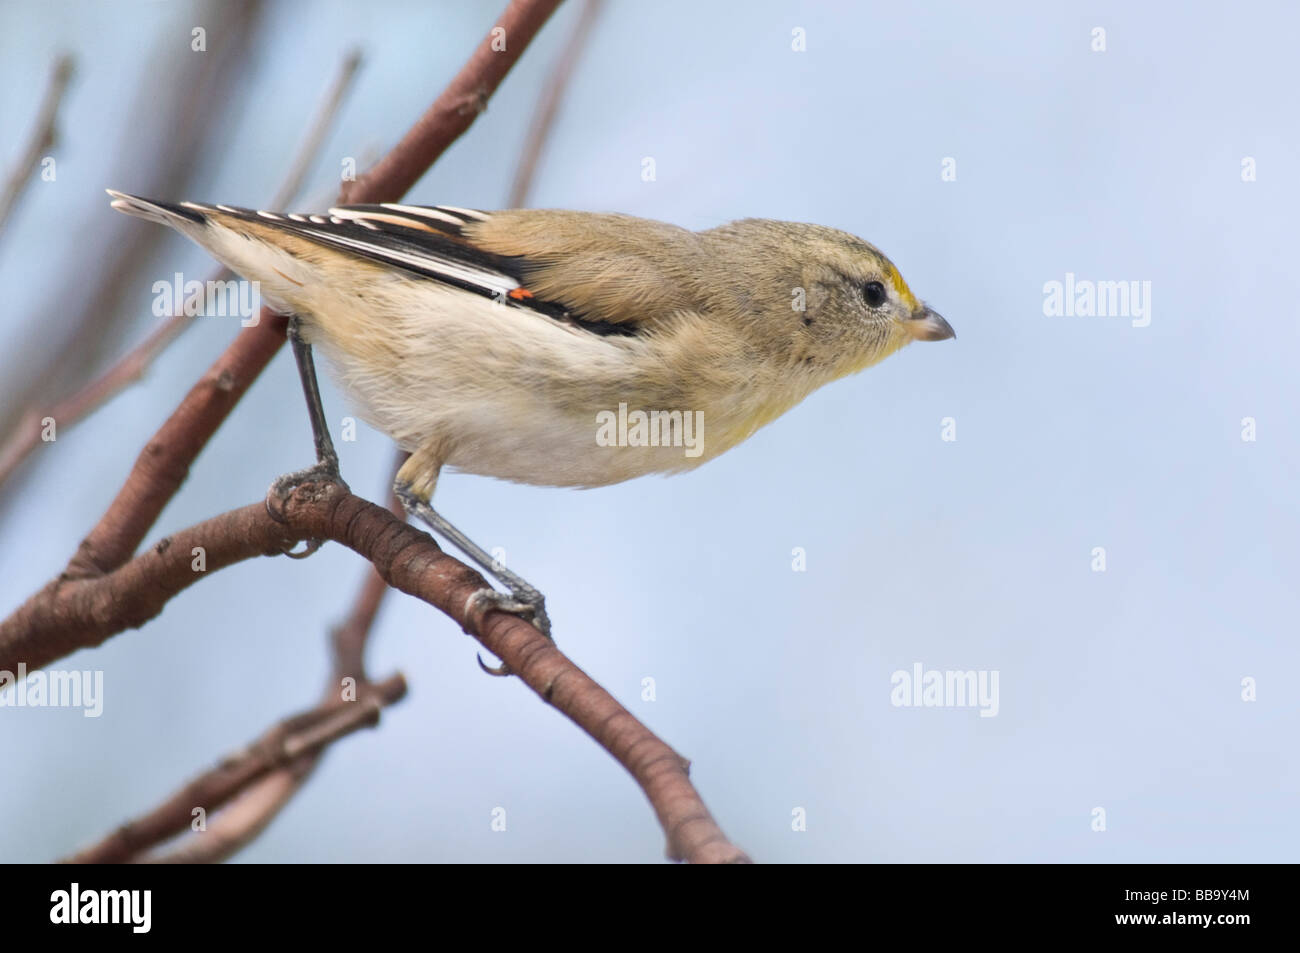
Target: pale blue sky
1119	690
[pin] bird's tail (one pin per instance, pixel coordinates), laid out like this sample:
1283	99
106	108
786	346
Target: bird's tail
174	216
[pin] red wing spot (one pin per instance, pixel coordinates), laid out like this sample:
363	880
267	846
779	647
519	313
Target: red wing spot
519	294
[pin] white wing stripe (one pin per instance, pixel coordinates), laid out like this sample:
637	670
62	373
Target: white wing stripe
491	281
425	213
464	212
363	217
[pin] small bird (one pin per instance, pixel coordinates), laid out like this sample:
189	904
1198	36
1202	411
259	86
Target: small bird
557	348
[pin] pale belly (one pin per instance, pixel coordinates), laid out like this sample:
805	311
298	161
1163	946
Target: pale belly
596	449
498	392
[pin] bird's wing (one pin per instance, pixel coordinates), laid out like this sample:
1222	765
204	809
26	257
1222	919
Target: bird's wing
433	242
615	269
601	273
612	274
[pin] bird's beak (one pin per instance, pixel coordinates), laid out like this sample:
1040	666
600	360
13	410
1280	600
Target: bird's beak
928	325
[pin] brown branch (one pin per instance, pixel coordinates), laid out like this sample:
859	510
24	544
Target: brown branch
251	810
293	746
244	819
240	824
162	466
256	807
44	136
104	590
456	109
171	126
165	461
319	129
548	106
26	434
78	613
349	639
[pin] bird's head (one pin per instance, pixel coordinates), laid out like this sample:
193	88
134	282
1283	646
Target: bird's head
827	301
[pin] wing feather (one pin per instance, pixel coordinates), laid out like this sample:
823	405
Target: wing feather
432	242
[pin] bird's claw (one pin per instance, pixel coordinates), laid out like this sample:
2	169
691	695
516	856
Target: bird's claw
530	606
277	495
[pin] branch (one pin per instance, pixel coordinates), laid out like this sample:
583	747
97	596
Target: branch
349	639
311	144
71	614
26	435
44	136
171	127
104	591
251	810
456	109
548	106
165	461
294	744
239	824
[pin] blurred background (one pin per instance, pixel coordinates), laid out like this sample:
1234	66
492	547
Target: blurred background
1119	689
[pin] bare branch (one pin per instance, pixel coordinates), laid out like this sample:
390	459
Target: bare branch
255	808
70	614
104	590
548	106
456	109
293	744
165	461
349	638
319	129
44	136
26	435
172	125
243	821
264	796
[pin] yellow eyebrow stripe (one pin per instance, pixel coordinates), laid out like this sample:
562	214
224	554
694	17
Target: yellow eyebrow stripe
900	286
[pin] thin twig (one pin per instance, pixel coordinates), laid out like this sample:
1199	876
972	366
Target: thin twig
162	466
171	125
104	590
459	105
264	795
293	743
44	136
26	435
79	613
320	127
548	106
271	794
348	640
244	820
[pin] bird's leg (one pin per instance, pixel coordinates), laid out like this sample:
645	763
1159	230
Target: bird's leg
326	467
414	488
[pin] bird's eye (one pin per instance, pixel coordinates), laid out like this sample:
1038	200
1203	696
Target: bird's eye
874	293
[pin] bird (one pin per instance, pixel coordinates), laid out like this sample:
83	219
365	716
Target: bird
555	347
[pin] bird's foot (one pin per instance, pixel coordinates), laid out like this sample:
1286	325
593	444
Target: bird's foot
529	606
323	471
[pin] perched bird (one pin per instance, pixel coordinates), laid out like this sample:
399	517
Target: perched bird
558	348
